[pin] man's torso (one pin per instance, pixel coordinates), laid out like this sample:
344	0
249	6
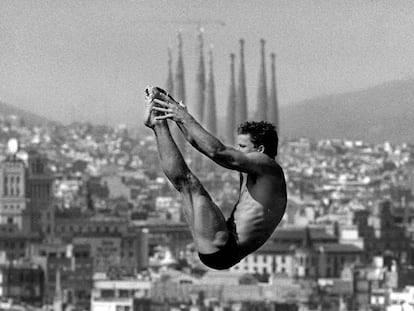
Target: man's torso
261	205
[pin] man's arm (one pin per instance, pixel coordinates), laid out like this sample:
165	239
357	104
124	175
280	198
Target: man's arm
209	145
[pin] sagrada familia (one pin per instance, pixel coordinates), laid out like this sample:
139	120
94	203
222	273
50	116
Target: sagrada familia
204	106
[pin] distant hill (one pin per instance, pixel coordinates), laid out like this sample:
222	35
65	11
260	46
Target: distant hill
384	112
28	117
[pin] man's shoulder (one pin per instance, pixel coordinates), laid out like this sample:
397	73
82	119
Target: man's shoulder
269	165
261	157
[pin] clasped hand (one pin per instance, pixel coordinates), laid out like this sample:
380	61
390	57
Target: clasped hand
169	109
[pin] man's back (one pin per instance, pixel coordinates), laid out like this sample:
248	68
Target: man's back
261	205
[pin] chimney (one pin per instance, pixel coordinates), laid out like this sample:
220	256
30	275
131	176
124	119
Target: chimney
58	297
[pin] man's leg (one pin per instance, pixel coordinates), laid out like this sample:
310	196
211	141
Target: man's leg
205	219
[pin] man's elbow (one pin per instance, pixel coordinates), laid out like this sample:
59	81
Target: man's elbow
217	152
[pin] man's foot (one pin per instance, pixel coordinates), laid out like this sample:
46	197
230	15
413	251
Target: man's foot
150	115
152	93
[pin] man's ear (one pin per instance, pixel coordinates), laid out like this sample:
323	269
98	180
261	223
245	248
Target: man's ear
261	149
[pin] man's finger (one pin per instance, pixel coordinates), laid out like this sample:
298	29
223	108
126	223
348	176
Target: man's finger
160	102
161	109
164	117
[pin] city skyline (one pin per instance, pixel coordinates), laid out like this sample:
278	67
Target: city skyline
83	60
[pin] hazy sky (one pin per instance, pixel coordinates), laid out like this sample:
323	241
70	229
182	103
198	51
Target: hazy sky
91	60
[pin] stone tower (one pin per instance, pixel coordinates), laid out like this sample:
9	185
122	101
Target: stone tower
261	110
179	95
200	96
200	81
241	103
169	84
39	193
273	104
210	107
230	126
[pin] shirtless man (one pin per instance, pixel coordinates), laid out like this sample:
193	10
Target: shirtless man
262	200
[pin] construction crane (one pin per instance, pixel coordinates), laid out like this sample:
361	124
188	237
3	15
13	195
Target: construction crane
198	22
188	21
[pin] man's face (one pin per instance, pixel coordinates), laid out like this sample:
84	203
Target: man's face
244	143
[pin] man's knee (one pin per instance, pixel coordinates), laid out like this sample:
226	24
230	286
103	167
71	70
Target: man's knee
227	256
209	240
221	238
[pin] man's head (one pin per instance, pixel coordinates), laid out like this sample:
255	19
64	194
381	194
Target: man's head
257	136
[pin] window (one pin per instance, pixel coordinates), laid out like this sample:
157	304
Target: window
107	293
124	293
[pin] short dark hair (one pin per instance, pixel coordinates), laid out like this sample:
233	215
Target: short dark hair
261	133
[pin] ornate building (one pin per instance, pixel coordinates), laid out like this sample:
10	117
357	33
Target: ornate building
26	209
39	194
301	253
13	200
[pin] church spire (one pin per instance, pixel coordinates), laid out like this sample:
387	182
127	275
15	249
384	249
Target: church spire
273	104
261	112
230	126
169	85
210	111
200	81
200	94
241	103
179	94
210	108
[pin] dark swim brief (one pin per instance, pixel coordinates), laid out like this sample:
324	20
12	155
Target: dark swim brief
227	256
